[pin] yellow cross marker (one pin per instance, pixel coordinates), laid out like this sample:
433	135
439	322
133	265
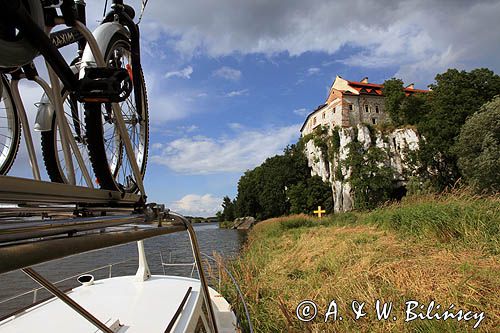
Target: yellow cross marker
319	211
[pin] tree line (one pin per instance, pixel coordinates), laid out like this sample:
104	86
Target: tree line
281	185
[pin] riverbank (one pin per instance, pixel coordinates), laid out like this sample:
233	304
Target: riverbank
431	248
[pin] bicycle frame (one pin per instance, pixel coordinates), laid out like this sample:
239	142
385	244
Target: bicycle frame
58	68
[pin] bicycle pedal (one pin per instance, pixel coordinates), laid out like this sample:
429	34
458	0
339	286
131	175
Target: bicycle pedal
104	85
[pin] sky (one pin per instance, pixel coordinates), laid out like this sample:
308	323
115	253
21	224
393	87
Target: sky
230	82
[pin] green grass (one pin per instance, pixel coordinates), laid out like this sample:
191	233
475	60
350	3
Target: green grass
226	224
444	248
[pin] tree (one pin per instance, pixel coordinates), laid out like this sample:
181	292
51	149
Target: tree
262	191
403	109
220	216
371	179
307	195
478	148
228	206
455	96
394	96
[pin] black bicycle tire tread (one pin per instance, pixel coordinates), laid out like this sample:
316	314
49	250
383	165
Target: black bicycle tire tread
17	137
94	132
49	154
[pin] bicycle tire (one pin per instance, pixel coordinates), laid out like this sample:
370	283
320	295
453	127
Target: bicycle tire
9	152
95	134
19	51
54	162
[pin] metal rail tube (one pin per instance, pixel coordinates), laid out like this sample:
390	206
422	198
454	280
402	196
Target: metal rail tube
18	256
27	191
26	128
28	211
201	273
238	290
64	130
13	232
66	299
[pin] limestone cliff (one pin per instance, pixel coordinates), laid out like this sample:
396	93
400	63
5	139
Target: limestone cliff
333	169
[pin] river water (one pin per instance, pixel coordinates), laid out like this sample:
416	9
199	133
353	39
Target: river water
174	247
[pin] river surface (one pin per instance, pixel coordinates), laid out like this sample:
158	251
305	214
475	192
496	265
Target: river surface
225	242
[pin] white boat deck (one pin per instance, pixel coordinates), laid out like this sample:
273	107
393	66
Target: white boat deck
139	306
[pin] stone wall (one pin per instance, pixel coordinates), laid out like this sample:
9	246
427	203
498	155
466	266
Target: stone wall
397	144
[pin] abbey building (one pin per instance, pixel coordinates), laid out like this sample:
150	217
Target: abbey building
350	103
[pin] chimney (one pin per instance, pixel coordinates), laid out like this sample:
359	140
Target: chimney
364	80
410	86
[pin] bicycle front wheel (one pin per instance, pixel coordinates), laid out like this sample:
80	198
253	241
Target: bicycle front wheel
112	170
10	128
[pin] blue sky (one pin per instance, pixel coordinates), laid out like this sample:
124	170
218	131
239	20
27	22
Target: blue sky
231	81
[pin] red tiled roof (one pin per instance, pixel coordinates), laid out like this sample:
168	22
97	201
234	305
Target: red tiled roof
373	88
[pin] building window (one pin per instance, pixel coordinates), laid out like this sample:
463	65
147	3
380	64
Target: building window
367	109
374	121
314	121
350	107
323	115
376	109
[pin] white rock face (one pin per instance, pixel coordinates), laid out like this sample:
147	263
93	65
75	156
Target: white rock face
397	144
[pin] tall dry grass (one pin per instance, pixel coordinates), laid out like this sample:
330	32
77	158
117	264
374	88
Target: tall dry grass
443	248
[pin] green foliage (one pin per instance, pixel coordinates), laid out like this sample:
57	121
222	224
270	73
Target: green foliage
226	224
394	97
402	109
478	148
335	140
305	196
455	96
371	179
414	107
295	223
417	186
220	216
262	192
456	217
320	140
228	212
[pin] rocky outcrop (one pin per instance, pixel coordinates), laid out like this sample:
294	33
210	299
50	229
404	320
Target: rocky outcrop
243	223
397	144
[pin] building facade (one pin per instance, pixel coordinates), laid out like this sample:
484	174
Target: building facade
350	103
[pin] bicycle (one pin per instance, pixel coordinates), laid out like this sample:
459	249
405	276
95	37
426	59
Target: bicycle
103	90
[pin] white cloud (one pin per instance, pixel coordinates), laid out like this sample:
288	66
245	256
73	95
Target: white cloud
235	93
404	34
197	205
166	105
313	71
228	73
203	155
184	73
301	112
235	126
